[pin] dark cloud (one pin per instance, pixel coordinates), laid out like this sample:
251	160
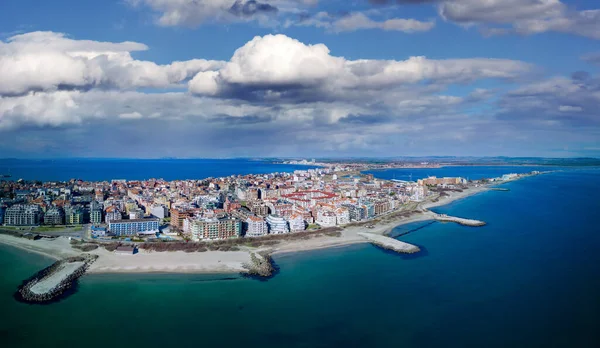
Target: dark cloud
303	16
559	102
267	94
241	120
526	17
329	16
358	119
249	8
580	75
592	58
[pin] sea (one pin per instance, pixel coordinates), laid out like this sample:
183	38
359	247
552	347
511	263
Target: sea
529	278
136	169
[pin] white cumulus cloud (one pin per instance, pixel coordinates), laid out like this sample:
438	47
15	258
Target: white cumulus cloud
41	61
277	65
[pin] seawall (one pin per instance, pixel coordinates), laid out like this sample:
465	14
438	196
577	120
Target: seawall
390	243
54	281
261	266
458	220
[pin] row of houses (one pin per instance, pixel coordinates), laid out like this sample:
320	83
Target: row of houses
33	215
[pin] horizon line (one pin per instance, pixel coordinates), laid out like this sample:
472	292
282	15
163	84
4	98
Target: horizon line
298	157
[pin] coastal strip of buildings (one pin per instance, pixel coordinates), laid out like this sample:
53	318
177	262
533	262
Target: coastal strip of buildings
214	208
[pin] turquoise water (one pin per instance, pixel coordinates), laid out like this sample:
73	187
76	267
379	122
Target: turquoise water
530	278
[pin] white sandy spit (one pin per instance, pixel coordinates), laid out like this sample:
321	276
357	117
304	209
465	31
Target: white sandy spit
170	262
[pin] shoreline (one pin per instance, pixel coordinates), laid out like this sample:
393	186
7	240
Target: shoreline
43	249
350	233
228	262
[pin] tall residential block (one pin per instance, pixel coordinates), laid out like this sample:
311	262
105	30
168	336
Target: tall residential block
54	216
256	226
23	215
133	227
95	213
215	228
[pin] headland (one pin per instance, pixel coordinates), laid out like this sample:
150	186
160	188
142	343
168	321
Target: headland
220	233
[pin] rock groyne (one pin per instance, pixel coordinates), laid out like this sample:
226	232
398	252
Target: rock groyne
390	243
261	265
458	220
53	282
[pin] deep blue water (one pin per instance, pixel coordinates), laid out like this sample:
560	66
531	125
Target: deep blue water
529	278
136	169
468	172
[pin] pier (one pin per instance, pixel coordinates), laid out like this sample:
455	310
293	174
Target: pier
390	243
458	220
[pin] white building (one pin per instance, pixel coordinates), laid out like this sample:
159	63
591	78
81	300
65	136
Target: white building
326	218
114	215
256	226
296	222
132	227
277	225
160	211
342	216
186	225
509	176
417	193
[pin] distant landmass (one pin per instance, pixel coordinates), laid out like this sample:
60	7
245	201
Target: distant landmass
442	160
466	160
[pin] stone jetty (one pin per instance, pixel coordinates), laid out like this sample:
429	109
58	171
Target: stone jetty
458	220
390	243
54	281
261	266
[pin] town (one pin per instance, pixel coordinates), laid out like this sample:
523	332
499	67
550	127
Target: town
213	208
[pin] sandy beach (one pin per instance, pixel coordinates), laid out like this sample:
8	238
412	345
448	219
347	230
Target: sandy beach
57	249
170	262
221	261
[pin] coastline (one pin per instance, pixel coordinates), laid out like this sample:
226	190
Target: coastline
54	249
220	262
350	233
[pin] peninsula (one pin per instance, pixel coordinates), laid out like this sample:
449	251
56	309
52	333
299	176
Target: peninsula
217	225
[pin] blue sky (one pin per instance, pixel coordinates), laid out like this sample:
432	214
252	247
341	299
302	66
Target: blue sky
226	78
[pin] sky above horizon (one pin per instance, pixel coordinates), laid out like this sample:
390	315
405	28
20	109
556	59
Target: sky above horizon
315	78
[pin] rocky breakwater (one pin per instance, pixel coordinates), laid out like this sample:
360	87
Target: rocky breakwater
390	243
261	265
55	281
461	221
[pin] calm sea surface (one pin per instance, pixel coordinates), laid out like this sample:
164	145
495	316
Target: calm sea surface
530	278
133	169
468	172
